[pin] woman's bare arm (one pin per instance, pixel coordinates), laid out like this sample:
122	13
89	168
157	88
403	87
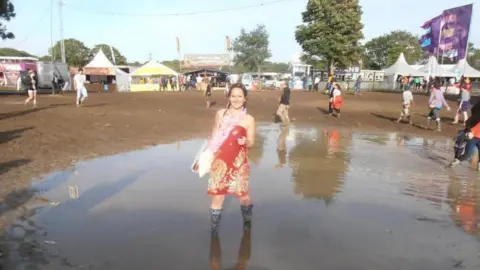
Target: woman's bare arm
250	131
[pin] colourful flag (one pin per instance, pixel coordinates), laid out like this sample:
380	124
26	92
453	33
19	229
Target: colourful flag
448	33
455	32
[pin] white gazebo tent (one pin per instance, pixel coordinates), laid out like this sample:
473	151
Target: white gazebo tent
432	68
464	68
400	67
100	68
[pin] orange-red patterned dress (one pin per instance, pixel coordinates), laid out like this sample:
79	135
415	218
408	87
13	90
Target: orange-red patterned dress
230	170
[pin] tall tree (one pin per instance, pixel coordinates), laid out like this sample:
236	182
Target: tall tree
251	48
119	58
331	30
76	53
7	12
473	56
383	51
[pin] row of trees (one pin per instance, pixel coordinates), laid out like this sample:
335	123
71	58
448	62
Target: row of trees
78	54
330	36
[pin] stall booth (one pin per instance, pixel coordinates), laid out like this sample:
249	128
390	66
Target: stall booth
219	76
149	76
104	76
11	67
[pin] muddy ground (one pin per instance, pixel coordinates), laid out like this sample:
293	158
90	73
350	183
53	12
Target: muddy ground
35	141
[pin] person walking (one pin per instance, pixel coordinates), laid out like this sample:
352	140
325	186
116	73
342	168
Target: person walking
358	82
284	105
31	84
435	103
335	101
316	82
233	133
407	102
79	81
463	105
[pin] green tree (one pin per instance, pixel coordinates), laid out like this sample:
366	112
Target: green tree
383	51
318	63
473	56
14	52
76	53
7	12
251	48
119	58
331	30
268	66
173	64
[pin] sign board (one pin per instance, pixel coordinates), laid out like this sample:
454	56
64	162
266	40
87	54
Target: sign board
349	70
206	60
99	71
379	76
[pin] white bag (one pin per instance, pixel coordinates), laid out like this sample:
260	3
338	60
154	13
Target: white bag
203	160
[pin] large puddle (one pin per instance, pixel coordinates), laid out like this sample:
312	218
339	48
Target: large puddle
324	199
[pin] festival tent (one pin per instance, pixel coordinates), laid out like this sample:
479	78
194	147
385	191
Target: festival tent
123	80
401	67
100	66
464	68
101	69
147	78
432	68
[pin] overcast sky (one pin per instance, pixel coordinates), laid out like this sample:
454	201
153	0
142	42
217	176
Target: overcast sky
137	36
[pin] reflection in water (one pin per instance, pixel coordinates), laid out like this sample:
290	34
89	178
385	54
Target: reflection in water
380	182
256	153
465	204
282	146
319	165
243	252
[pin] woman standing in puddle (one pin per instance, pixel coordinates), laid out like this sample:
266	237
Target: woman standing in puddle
233	133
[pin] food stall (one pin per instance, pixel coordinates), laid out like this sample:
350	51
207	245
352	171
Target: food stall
148	77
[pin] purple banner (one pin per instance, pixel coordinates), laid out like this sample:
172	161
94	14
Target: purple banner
455	28
447	34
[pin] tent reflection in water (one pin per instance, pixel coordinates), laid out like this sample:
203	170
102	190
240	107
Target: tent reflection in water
147	78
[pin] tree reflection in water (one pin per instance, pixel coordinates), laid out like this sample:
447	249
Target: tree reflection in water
319	165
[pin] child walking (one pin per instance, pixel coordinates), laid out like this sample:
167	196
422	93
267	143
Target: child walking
407	102
336	100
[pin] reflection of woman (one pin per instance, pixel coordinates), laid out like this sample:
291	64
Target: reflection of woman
233	133
243	253
282	147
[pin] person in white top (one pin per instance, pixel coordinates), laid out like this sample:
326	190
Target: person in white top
79	81
315	84
407	102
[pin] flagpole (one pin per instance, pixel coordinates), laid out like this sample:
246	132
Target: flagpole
468	44
179	63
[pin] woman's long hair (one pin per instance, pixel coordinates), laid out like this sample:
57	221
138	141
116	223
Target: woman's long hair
239	86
